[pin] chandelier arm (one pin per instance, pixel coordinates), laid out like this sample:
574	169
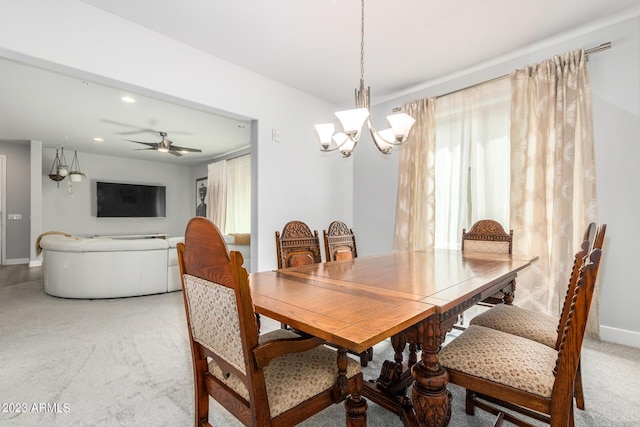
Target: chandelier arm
338	146
373	131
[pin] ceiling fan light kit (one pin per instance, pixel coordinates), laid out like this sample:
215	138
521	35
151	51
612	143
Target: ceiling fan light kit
353	120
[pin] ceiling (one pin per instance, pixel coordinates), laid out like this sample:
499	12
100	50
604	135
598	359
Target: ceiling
311	45
65	111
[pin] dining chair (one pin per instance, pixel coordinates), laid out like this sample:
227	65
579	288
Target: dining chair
541	327
488	236
276	379
340	244
500	370
297	246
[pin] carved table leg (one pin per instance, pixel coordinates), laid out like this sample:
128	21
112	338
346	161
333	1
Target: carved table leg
356	407
431	399
355	404
510	294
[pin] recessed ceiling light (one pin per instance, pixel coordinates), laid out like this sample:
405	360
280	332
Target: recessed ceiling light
98	139
128	99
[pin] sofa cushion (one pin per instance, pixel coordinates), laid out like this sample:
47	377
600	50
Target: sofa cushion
56	242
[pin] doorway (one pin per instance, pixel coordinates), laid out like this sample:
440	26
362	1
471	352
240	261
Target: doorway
3	204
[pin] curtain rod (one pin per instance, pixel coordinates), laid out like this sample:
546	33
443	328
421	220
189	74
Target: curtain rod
596	49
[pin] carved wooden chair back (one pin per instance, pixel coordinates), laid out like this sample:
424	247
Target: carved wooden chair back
229	357
588	242
542	396
339	242
571	336
297	246
488	236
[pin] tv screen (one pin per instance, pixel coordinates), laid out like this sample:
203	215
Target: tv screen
130	200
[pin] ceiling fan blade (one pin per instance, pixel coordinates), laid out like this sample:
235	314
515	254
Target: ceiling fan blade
144	149
153	145
175	153
131	132
188	150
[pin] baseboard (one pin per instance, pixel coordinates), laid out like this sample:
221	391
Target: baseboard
620	336
15	261
35	263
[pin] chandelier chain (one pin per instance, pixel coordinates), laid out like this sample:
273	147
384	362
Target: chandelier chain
362	41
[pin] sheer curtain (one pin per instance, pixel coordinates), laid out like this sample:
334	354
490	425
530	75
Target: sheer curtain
553	187
415	206
217	194
239	195
472	160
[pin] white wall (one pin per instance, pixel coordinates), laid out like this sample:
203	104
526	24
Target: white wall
615	84
76	213
293	179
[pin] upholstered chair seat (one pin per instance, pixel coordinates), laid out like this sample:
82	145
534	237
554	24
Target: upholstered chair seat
293	378
514	320
503	358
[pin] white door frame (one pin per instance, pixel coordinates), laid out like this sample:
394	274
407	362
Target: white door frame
3	209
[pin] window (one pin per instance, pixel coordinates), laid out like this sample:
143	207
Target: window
472	173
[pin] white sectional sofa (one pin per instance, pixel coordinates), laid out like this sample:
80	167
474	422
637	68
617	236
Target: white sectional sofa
111	268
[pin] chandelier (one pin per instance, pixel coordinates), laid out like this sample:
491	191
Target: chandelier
353	120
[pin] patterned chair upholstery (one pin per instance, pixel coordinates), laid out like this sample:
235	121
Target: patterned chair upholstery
498	368
279	378
541	327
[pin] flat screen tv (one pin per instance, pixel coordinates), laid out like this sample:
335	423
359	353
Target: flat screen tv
130	200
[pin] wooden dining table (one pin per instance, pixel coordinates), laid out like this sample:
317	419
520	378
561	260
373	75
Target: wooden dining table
413	298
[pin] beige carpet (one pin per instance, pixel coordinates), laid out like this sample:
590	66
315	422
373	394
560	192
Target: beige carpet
125	362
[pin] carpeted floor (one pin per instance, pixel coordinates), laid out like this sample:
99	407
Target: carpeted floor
126	362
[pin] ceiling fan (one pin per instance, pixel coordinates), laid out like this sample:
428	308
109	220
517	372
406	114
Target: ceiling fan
166	146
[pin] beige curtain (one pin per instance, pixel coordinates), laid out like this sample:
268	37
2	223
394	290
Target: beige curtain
239	195
553	183
217	194
415	207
